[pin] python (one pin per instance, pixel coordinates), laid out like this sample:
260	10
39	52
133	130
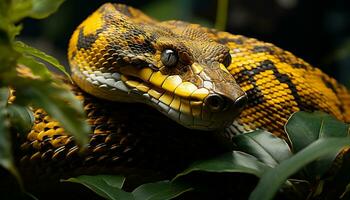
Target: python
201	78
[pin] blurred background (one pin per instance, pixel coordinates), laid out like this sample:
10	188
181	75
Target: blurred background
317	31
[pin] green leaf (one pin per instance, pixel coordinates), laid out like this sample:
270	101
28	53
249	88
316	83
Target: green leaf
21	118
58	102
303	128
37	9
44	8
25	49
35	66
162	190
6	157
233	162
271	181
107	186
266	147
18	9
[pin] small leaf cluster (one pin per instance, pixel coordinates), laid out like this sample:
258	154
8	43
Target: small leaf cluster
26	82
306	168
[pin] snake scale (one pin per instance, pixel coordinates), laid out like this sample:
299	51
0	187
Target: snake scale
203	80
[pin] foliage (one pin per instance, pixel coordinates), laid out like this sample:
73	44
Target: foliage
22	69
315	138
109	187
104	185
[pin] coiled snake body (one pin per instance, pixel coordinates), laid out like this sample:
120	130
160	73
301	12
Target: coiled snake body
201	78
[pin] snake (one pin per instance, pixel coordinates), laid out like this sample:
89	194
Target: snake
128	68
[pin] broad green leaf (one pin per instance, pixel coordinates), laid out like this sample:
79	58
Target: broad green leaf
25	49
18	9
107	186
21	118
6	157
266	147
233	162
8	29
303	128
272	180
162	190
38	68
44	8
58	102
37	9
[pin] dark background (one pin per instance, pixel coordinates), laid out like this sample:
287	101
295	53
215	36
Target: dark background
317	31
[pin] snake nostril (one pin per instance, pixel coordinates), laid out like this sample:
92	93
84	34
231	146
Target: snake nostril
219	103
216	103
241	101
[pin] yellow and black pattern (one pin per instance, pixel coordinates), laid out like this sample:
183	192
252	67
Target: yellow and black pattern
199	77
117	54
122	140
278	83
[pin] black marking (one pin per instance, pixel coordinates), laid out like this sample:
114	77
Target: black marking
138	48
134	32
87	40
74	53
260	49
299	65
115	53
119	53
255	95
227	40
283	78
123	9
331	86
145	47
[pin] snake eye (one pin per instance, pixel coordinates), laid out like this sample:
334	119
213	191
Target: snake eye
227	61
169	58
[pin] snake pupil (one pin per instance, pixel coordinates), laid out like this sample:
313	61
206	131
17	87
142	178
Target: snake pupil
227	60
169	58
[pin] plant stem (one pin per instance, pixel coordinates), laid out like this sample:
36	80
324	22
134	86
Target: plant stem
221	14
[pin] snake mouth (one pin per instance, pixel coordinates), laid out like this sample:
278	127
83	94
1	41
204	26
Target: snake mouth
185	109
181	105
160	93
182	101
179	100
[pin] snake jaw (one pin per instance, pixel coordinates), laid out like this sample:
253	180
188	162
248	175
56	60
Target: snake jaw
185	102
207	105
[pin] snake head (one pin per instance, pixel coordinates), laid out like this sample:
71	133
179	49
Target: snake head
120	54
